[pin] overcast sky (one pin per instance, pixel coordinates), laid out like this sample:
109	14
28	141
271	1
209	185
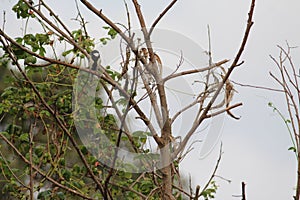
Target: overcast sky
255	147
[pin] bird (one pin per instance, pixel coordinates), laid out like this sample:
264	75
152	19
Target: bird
95	60
94	64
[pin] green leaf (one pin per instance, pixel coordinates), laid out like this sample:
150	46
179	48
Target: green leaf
61	195
42	38
29	39
24	137
44	195
84	150
39	151
30	60
292	149
104	40
62	161
76	169
112	33
45	112
67	52
19	40
66	174
106	27
22	10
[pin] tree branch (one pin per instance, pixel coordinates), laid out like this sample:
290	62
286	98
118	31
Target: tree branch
44	18
215	170
110	23
171	76
224	110
161	16
226	76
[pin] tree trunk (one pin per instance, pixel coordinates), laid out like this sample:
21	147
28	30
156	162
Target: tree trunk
166	174
166	161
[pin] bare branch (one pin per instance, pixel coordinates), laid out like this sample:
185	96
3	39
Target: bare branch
153	98
120	116
4	19
144	30
256	87
51	13
288	80
109	22
224	110
161	15
179	74
215	170
226	76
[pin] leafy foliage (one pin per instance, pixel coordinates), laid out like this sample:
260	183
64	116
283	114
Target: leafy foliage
22	10
287	123
210	192
33	131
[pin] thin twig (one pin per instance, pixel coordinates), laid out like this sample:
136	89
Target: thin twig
224	110
81	18
51	13
120	116
110	23
215	170
161	15
31	172
193	71
4	20
152	97
257	87
290	86
234	64
152	192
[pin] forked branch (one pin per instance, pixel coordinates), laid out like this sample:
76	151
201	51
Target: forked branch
234	64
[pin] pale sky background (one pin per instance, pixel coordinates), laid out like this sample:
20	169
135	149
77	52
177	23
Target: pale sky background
255	147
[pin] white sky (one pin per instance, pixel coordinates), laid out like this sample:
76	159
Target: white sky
255	147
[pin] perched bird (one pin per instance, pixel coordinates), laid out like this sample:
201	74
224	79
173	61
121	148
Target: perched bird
95	60
94	64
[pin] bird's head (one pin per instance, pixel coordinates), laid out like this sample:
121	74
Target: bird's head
95	55
95	60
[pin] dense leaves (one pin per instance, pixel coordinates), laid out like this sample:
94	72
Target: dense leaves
38	139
